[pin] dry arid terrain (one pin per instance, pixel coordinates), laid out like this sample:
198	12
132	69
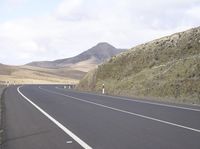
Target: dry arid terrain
62	71
167	68
35	75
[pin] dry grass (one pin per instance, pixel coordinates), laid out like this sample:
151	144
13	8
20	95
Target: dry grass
34	75
85	66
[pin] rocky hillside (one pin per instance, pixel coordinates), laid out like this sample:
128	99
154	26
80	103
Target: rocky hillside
167	68
95	55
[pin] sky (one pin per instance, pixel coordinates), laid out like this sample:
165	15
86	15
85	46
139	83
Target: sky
37	30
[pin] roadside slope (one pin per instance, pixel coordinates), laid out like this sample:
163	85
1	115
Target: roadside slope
168	67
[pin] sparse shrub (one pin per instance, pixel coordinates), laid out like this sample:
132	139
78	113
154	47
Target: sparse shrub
179	35
193	75
152	64
156	58
177	91
189	46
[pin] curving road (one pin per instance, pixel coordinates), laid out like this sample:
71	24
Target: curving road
50	117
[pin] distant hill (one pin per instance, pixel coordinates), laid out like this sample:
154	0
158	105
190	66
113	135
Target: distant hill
95	55
6	69
167	68
69	70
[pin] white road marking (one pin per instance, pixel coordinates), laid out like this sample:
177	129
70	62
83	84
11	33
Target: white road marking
123	111
67	131
69	142
140	101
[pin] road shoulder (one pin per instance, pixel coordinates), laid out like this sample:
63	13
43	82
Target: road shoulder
2	91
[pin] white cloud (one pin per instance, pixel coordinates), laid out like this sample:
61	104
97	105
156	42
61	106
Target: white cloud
194	13
67	7
76	25
14	3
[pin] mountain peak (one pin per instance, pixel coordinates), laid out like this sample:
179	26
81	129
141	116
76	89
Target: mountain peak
104	44
99	53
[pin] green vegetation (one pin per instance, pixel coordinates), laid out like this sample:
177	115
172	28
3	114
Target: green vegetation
167	68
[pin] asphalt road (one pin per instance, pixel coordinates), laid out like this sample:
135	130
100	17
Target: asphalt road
49	117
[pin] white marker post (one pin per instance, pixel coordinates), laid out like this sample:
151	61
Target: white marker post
7	83
103	89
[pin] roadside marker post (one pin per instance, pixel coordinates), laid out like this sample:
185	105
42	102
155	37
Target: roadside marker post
8	83
103	89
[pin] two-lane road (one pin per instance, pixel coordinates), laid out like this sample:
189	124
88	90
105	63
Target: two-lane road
39	117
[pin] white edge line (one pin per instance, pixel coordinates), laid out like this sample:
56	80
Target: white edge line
147	102
67	131
123	111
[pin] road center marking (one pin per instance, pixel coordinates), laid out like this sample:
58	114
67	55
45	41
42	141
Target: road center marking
123	111
139	101
67	131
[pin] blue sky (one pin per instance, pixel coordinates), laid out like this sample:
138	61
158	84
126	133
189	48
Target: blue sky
32	30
